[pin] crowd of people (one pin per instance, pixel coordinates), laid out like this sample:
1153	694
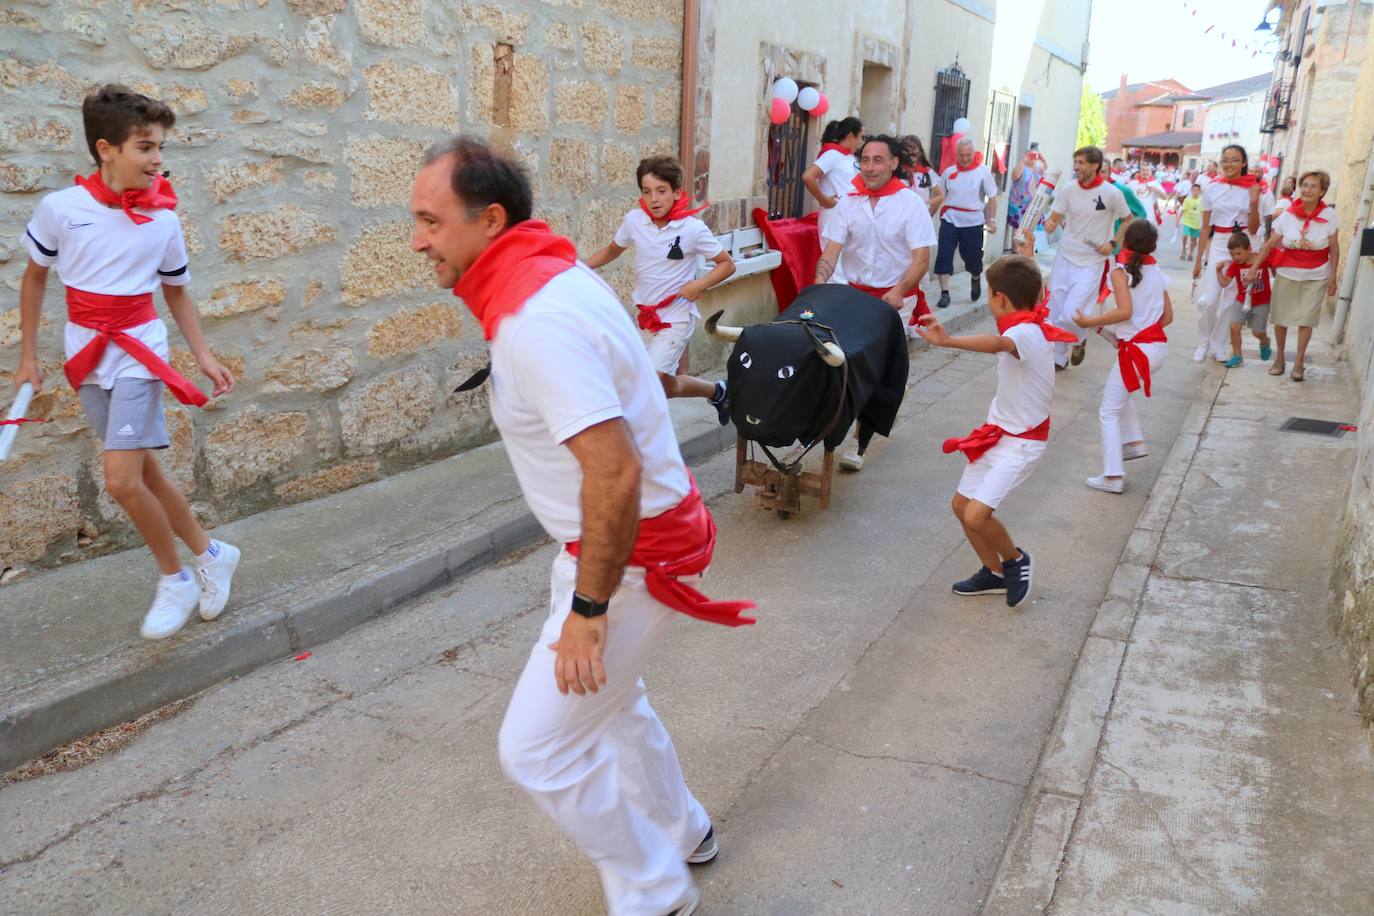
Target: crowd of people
580	391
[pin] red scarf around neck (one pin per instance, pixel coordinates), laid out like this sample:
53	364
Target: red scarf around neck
1241	181
1039	316
1300	211
827	147
1098	181
681	209
511	270
894	184
1125	257
159	196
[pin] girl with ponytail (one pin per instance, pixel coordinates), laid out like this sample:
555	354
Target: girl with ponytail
1136	326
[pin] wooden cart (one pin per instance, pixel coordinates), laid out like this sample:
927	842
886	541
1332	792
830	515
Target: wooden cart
779	491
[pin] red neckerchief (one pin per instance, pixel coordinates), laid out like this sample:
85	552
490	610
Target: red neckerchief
894	184
511	270
1298	210
681	209
981	440
827	147
977	164
1097	182
676	543
1038	316
1132	361
159	196
1125	257
1243	181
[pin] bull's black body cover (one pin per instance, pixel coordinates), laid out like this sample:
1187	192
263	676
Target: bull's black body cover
782	393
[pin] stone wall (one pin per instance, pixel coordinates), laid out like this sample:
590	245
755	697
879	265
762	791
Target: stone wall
300	124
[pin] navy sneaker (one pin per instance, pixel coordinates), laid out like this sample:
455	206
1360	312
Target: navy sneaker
944	301
975	289
721	402
1017	574
983	582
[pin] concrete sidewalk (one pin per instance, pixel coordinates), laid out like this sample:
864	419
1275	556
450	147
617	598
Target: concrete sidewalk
1207	757
71	659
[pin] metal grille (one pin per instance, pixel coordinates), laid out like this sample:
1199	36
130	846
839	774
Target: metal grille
1277	108
1000	114
951	104
1315	427
787	143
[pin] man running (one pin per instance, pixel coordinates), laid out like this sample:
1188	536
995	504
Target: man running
969	210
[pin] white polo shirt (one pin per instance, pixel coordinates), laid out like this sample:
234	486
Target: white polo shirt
570	359
1089	214
1025	385
656	275
98	249
965	194
878	241
837	172
1229	205
1318	235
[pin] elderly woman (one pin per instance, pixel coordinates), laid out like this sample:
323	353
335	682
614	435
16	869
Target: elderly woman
1304	251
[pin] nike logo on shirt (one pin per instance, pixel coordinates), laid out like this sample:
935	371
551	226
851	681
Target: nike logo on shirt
79	225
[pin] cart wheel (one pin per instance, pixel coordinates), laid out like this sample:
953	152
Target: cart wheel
783	514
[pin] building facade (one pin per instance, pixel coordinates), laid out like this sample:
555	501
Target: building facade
1136	110
1233	114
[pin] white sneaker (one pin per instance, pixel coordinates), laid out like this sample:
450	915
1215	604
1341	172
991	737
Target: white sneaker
1200	354
1132	452
214	577
690	907
1106	485
852	461
172	607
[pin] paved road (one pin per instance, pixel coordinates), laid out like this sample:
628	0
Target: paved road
864	749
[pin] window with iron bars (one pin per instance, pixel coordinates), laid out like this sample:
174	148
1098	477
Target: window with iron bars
788	145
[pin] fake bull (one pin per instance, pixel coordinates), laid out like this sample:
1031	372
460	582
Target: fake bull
836	355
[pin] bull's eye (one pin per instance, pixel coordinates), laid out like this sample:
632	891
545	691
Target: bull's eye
753	421
786	372
746	360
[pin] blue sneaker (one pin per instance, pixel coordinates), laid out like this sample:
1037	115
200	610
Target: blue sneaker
983	582
721	402
1266	353
1017	575
1234	362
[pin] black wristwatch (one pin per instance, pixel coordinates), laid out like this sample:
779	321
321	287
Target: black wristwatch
586	607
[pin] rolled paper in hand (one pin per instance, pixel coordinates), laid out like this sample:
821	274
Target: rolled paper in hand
12	420
1044	193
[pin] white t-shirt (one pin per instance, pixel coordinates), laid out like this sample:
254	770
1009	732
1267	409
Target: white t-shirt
1025	385
570	359
1204	180
923	182
965	193
1149	193
1147	301
1183	188
1229	205
878	241
1282	204
1318	235
656	275
1089	215
98	249
837	172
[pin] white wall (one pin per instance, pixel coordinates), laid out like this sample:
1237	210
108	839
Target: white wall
1232	121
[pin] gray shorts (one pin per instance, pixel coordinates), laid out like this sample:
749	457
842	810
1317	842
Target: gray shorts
1257	318
128	416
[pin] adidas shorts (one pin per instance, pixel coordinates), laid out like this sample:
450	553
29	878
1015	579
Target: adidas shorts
127	416
667	346
1000	470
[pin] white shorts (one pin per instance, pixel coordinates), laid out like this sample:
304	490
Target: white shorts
667	346
1000	470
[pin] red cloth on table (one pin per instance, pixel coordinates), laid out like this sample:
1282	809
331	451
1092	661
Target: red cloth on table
799	240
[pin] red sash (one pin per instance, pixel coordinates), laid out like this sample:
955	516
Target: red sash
947	207
648	315
110	317
680	542
921	309
1300	258
977	443
1134	365
877	292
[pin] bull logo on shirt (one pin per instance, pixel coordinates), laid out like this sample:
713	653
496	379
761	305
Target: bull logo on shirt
1099	205
675	252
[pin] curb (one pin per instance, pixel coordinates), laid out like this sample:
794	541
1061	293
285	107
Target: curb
1029	870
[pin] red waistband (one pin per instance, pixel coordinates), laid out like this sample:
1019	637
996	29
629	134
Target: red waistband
110	317
680	542
1132	361
947	207
648	315
877	292
1300	258
982	439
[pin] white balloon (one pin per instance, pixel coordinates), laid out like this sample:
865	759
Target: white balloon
962	126
785	89
808	98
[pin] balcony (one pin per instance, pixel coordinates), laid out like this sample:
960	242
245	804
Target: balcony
1278	108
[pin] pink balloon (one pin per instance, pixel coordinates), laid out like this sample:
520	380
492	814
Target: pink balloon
779	111
821	107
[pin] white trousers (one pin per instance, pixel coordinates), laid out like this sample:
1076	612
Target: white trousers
1073	288
1117	414
1214	303
602	765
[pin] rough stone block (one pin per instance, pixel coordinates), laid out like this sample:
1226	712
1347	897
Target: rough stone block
315	8
329	480
410	95
26	134
253	446
560	35
316	95
381	263
391	407
244	296
272	233
382	168
657	54
618	163
238	89
288	146
227	178
393	23
529	94
17	178
582	103
572	165
603	48
34	514
629	109
54	82
410	330
597	223
183	99
508	28
668	12
667	106
311	370
184	45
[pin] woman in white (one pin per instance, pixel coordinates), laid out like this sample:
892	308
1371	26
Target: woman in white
1149	191
1137	324
925	181
1230	203
829	178
1305	254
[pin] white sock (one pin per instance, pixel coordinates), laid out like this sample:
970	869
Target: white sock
211	552
180	575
